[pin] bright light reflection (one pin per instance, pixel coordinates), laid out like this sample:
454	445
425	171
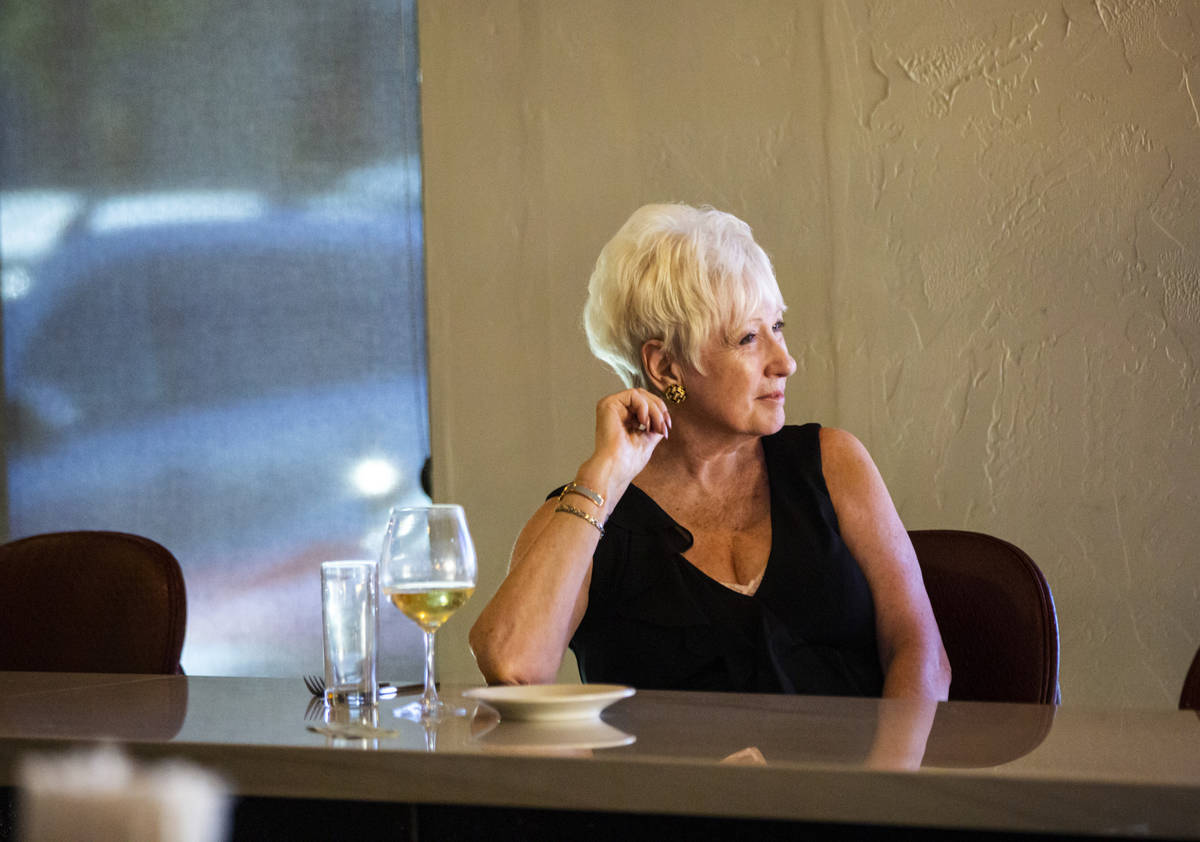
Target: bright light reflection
375	477
31	221
15	283
120	212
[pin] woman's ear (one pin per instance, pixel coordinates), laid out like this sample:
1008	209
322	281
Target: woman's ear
660	367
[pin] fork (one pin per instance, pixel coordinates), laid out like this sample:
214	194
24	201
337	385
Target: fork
315	709
316	686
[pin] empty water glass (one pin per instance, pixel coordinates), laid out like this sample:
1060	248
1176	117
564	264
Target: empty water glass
350	615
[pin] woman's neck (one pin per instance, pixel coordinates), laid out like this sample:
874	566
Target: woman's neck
703	461
715	493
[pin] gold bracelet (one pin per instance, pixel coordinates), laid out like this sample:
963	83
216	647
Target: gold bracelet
571	510
573	487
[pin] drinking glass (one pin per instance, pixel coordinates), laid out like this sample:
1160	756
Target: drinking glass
427	570
350	620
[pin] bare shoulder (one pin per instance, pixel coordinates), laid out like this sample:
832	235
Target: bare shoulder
843	456
834	439
855	486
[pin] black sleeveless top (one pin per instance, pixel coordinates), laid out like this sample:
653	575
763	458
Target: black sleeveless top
654	621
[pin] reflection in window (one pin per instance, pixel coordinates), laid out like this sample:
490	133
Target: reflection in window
213	312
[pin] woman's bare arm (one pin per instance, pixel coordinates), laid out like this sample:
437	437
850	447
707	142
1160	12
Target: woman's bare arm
523	631
910	646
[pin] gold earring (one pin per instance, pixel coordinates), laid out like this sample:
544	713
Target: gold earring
675	393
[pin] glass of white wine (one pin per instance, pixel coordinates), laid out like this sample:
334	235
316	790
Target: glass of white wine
427	570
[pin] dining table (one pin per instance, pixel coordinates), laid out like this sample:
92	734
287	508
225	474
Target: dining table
654	764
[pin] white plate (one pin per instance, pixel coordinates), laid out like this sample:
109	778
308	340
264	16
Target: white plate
550	702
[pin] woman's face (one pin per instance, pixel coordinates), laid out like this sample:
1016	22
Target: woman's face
742	387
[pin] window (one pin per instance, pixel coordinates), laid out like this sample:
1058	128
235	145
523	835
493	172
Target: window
213	310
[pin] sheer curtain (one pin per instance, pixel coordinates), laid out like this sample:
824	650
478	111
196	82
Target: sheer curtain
213	305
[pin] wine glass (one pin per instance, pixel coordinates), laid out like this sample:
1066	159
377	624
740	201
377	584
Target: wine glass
427	570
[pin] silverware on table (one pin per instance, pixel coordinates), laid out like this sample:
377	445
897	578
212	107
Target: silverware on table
316	686
352	731
316	708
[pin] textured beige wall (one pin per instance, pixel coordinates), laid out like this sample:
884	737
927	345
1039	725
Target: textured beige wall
985	217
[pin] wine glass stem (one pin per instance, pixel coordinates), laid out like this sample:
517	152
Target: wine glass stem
429	699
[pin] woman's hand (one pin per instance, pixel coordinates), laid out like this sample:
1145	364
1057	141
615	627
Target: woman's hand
629	425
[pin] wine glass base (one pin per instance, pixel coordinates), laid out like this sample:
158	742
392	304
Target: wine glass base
418	711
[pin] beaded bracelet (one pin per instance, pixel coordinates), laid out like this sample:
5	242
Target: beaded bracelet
571	510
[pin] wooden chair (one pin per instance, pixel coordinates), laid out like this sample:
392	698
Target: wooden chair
1189	697
90	602
996	615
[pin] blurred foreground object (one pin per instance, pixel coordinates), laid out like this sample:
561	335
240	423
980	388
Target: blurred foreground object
104	796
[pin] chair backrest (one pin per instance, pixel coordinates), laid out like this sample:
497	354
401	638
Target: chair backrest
90	602
996	615
1189	697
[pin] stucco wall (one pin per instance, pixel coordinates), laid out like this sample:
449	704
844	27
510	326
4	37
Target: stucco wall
984	217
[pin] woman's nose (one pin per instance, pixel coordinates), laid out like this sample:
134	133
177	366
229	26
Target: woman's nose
789	364
783	363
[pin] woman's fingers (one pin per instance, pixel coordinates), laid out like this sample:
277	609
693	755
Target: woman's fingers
662	417
636	411
646	412
629	426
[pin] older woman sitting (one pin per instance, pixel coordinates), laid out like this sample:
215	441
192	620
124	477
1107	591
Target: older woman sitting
704	545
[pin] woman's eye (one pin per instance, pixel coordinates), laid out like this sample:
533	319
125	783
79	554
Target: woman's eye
747	339
778	326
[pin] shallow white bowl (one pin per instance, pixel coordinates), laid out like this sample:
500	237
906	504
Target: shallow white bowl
550	702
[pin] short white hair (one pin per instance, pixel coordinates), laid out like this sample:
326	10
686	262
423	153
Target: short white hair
678	274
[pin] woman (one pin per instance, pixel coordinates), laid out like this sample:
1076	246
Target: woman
704	545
